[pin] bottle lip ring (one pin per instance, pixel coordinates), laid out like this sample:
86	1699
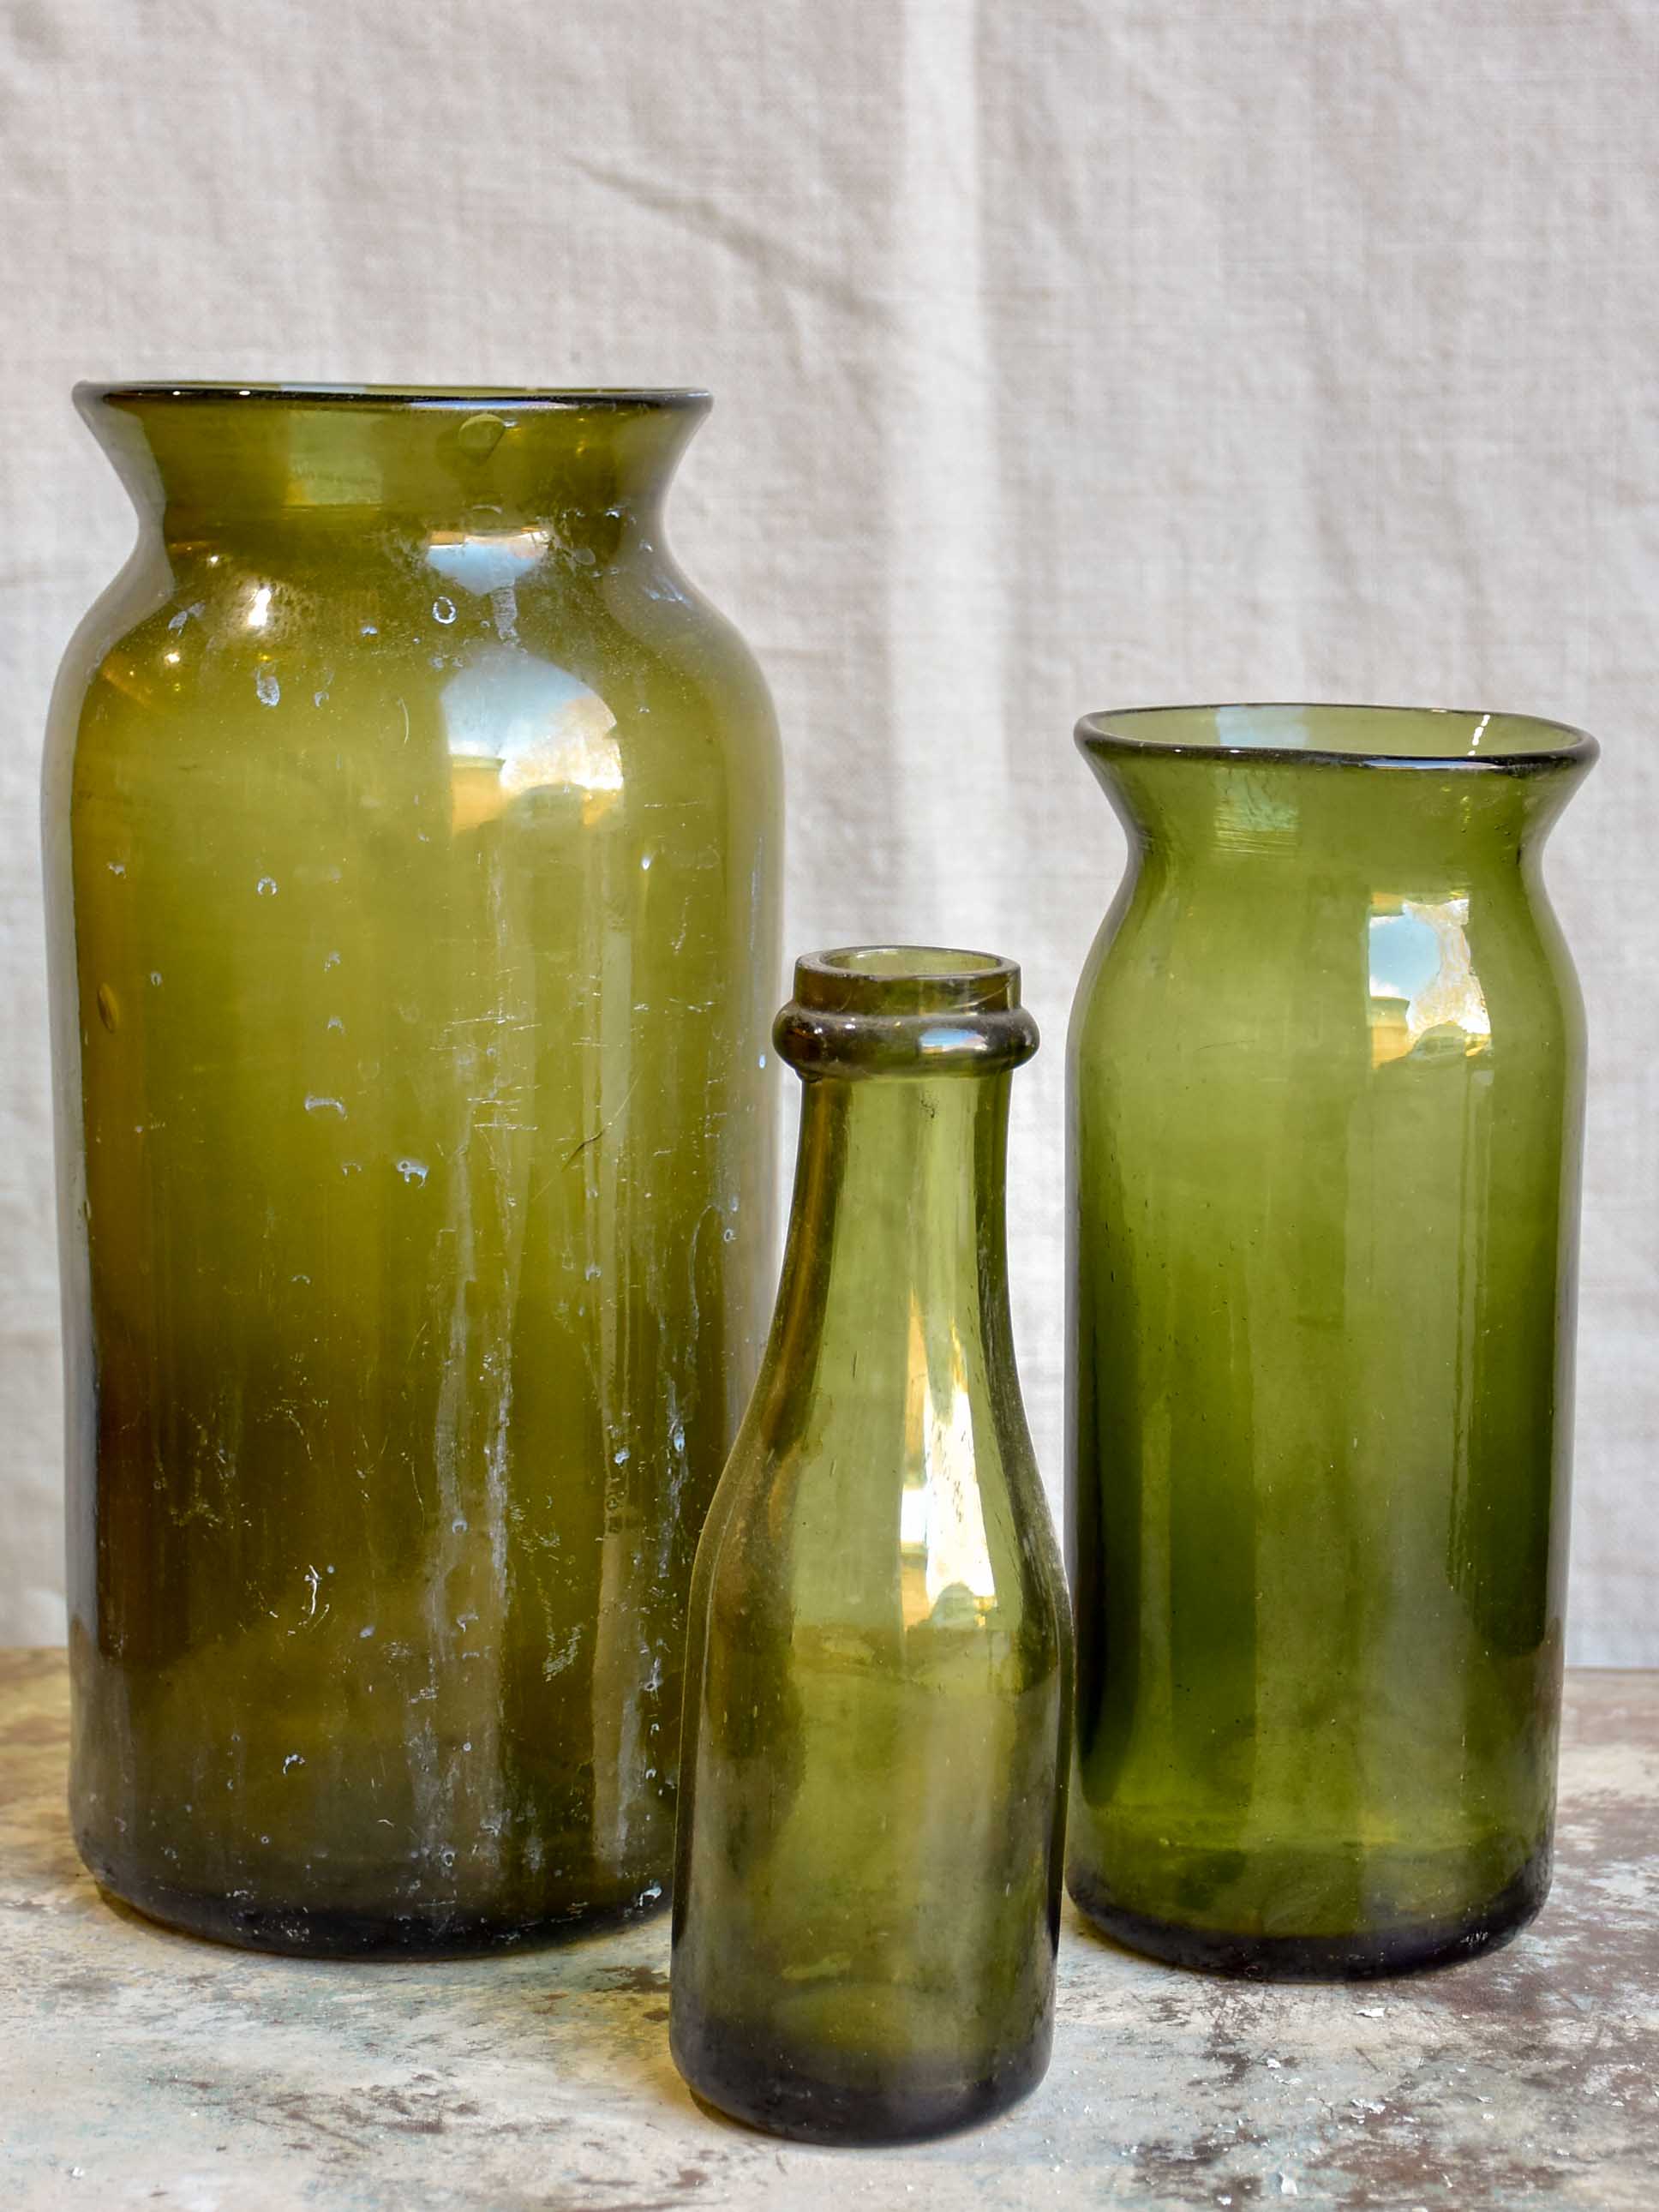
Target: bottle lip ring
918	1010
1520	745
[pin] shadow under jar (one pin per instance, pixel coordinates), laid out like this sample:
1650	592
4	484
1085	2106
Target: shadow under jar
867	1894
411	834
1326	1082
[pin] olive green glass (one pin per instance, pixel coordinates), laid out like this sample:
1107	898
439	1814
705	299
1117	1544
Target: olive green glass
412	843
1326	1078
867	1891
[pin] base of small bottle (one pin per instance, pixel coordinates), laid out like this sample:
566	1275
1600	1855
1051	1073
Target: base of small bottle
749	2079
306	1932
1365	1955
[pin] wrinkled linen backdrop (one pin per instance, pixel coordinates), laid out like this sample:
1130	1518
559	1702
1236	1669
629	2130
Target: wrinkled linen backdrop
1064	354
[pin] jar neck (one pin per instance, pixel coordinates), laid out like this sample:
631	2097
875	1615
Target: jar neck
1347	821
212	463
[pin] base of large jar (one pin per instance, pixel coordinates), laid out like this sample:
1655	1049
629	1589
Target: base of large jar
1364	1955
747	2077
306	1932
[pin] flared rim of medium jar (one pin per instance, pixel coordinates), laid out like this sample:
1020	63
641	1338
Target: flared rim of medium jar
468	397
1297	733
904	1010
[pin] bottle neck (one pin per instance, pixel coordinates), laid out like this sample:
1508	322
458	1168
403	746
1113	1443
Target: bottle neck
897	1235
212	464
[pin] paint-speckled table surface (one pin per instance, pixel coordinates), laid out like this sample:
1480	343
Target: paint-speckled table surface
139	2067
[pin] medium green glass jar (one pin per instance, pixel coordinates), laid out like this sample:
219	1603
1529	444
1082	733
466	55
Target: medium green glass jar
867	1900
412	835
1326	1082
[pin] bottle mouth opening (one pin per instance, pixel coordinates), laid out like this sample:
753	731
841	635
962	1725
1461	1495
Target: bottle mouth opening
1295	732
906	978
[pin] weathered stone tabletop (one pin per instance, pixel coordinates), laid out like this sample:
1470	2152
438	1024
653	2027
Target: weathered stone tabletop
139	2067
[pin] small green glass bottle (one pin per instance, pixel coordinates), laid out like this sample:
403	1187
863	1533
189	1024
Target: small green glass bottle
869	1848
1325	1086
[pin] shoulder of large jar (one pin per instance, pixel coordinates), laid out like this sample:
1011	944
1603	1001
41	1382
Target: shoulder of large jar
203	612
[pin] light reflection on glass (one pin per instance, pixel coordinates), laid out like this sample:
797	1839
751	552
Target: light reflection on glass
516	724
1257	810
945	1561
1284	728
482	561
1423	982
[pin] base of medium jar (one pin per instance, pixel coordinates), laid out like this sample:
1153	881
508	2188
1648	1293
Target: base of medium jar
746	2078
303	1932
1362	1956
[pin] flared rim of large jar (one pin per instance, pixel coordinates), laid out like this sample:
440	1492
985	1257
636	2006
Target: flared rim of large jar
1333	734
468	398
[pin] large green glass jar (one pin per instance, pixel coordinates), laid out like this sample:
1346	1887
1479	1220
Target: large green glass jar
412	834
1326	1079
867	1897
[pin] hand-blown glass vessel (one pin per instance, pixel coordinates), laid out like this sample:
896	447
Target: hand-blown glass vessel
1326	1071
412	835
867	1891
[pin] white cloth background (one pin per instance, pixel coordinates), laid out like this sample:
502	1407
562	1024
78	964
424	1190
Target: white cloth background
1067	353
